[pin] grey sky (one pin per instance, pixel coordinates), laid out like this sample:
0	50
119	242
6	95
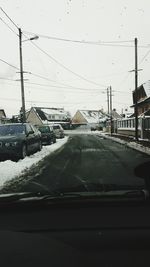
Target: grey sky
85	20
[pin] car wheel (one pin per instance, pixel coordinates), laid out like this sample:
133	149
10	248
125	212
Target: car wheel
40	146
49	142
23	151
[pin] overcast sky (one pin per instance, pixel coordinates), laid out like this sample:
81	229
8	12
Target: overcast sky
77	73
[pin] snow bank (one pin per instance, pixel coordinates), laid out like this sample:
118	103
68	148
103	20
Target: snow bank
131	144
10	169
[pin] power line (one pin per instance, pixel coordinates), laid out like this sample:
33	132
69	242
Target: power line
9	64
124	92
9	18
70	88
84	90
144	57
63	66
8	26
82	42
49	85
42	77
65	85
121	103
101	43
7	79
36	101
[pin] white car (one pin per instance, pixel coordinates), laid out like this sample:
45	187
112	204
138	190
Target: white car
58	130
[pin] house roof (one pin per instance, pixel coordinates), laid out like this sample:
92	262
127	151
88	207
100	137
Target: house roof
146	86
91	116
2	110
145	100
54	111
115	115
43	113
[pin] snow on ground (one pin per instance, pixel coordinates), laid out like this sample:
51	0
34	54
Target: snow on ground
10	169
132	144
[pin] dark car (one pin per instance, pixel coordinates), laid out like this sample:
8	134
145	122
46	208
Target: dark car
19	140
47	134
93	128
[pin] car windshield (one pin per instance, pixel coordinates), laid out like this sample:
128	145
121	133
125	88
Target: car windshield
81	71
56	127
45	129
11	130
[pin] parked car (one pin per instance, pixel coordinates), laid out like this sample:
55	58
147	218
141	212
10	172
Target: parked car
47	134
19	140
59	132
93	128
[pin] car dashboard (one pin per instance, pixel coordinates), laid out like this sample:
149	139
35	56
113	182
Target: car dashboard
78	234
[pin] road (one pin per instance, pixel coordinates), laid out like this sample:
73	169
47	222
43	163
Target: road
86	162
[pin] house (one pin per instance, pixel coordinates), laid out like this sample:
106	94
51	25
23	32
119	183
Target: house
143	99
3	118
41	115
105	122
89	118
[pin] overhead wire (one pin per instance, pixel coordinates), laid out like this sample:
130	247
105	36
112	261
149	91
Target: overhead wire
84	90
56	61
64	84
59	63
76	41
103	43
9	18
9	64
144	57
63	66
36	101
8	26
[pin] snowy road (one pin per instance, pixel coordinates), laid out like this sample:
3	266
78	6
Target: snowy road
10	170
85	162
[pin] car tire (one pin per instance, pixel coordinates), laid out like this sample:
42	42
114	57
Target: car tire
40	146
23	151
49	142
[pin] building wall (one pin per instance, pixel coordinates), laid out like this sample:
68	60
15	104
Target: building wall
34	119
56	117
2	115
143	108
78	118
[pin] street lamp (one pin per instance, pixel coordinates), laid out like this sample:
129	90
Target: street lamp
21	73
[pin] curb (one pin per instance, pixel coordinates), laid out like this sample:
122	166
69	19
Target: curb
131	144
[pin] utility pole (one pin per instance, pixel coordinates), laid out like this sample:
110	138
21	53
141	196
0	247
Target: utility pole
108	99
111	110
21	77
136	86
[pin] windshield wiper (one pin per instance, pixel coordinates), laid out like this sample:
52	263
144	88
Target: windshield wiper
61	197
13	197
